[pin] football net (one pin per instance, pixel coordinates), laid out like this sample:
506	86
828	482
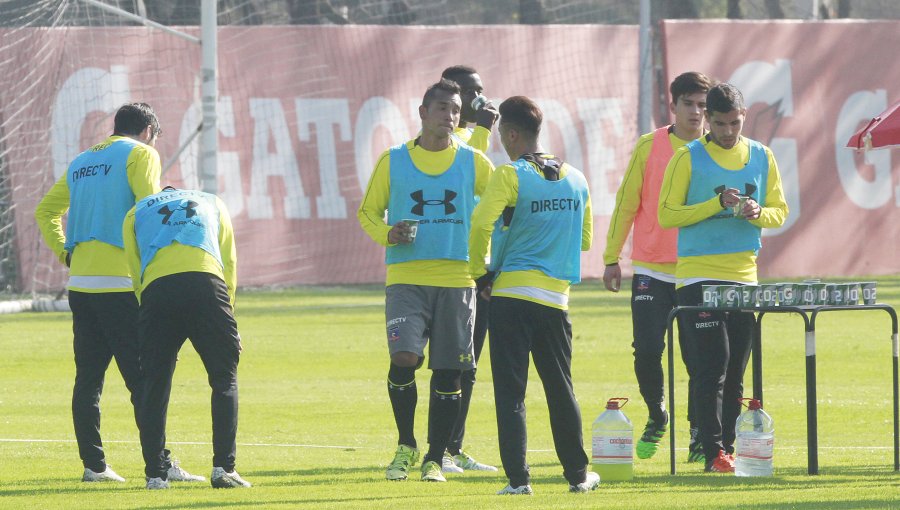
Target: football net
310	93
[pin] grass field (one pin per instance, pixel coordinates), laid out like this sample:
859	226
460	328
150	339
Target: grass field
316	428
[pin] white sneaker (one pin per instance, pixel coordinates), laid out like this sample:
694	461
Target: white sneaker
222	479
466	462
177	474
106	476
591	482
522	490
157	483
448	466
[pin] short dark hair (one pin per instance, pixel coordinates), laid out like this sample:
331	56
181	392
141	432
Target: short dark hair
523	113
454	71
689	83
724	98
133	118
445	85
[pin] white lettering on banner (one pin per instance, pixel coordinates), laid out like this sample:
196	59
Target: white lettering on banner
858	108
268	118
556	113
374	113
273	155
414	119
601	149
231	189
325	113
771	84
87	90
229	162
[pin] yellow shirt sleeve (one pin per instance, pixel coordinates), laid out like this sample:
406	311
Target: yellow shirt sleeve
371	212
774	212
672	211
227	249
628	200
587	229
49	213
502	192
480	139
132	253
144	170
484	169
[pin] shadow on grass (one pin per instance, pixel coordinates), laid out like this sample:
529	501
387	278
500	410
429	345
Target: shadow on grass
290	503
887	502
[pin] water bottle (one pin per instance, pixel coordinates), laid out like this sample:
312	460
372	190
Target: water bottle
478	102
755	442
613	442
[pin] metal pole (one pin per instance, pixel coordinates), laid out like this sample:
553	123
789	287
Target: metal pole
812	426
896	348
210	94
645	78
672	315
757	358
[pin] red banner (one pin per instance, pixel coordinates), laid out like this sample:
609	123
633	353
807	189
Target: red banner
808	87
304	111
303	114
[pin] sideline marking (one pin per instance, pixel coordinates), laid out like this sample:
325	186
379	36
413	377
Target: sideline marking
289	445
3	440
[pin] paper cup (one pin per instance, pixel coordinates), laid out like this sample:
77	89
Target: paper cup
789	294
807	294
731	295
749	295
413	229
711	295
837	293
738	209
767	294
867	292
853	294
821	291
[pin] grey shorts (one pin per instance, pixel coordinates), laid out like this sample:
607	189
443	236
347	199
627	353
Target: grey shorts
444	315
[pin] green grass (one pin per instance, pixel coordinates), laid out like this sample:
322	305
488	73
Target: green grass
316	428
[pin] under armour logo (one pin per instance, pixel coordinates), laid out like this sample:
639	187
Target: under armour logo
189	207
447	202
465	357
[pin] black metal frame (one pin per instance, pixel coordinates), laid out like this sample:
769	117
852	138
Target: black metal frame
809	315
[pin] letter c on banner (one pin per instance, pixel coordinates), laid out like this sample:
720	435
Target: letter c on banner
87	90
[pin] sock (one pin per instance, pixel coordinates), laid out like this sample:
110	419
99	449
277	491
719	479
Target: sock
467	383
402	392
442	412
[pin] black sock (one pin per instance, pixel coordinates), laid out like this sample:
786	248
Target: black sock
442	412
403	394
466	383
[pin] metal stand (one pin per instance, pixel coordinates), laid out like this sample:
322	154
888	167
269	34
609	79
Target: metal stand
809	315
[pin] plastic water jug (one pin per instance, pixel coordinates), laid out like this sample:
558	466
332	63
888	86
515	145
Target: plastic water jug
613	443
755	441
